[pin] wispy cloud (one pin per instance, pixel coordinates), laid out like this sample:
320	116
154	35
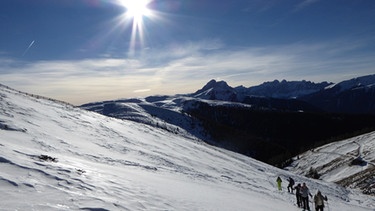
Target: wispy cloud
184	69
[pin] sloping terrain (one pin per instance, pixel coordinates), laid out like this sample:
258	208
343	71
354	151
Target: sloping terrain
57	157
350	163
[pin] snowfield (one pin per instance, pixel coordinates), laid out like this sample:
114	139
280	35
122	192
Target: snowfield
54	156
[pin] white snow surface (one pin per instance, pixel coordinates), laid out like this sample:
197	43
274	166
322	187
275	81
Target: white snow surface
104	163
334	162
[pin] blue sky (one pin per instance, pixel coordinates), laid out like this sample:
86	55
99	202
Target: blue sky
89	50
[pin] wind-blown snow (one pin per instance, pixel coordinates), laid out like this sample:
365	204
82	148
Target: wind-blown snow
104	163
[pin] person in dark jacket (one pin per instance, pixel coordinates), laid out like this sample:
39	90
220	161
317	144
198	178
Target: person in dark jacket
290	185
305	192
298	195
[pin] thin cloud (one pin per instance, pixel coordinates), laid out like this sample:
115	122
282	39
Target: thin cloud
160	72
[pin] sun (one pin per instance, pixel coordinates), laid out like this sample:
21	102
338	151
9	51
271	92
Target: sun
136	11
137	8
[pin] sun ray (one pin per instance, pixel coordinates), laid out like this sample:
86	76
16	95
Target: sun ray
136	10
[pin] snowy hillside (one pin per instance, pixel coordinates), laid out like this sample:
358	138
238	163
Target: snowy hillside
57	157
166	112
350	163
364	81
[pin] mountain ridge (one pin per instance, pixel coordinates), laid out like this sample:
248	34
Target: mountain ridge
324	96
356	95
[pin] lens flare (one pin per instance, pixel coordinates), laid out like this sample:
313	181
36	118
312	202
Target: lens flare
136	10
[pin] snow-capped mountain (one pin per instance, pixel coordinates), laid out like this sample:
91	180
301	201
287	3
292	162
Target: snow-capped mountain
352	96
220	90
284	89
217	90
269	95
54	156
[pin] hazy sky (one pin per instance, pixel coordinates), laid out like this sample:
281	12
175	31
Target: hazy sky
90	50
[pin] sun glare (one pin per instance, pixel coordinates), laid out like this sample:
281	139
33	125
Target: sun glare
136	10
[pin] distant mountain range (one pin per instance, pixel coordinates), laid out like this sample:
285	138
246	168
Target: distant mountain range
355	96
352	96
220	90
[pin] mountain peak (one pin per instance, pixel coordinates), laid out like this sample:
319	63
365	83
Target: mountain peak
216	90
213	84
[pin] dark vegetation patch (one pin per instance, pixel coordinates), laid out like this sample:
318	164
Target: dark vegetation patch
274	136
364	180
313	173
47	158
80	171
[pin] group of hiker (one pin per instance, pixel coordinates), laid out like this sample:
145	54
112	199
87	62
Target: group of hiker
302	195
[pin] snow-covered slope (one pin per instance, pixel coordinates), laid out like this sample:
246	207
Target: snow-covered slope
364	81
165	112
57	157
349	162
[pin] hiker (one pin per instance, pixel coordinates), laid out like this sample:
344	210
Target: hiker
290	185
319	201
298	195
279	181
305	192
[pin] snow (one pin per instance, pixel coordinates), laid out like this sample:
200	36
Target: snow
339	153
104	163
334	163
